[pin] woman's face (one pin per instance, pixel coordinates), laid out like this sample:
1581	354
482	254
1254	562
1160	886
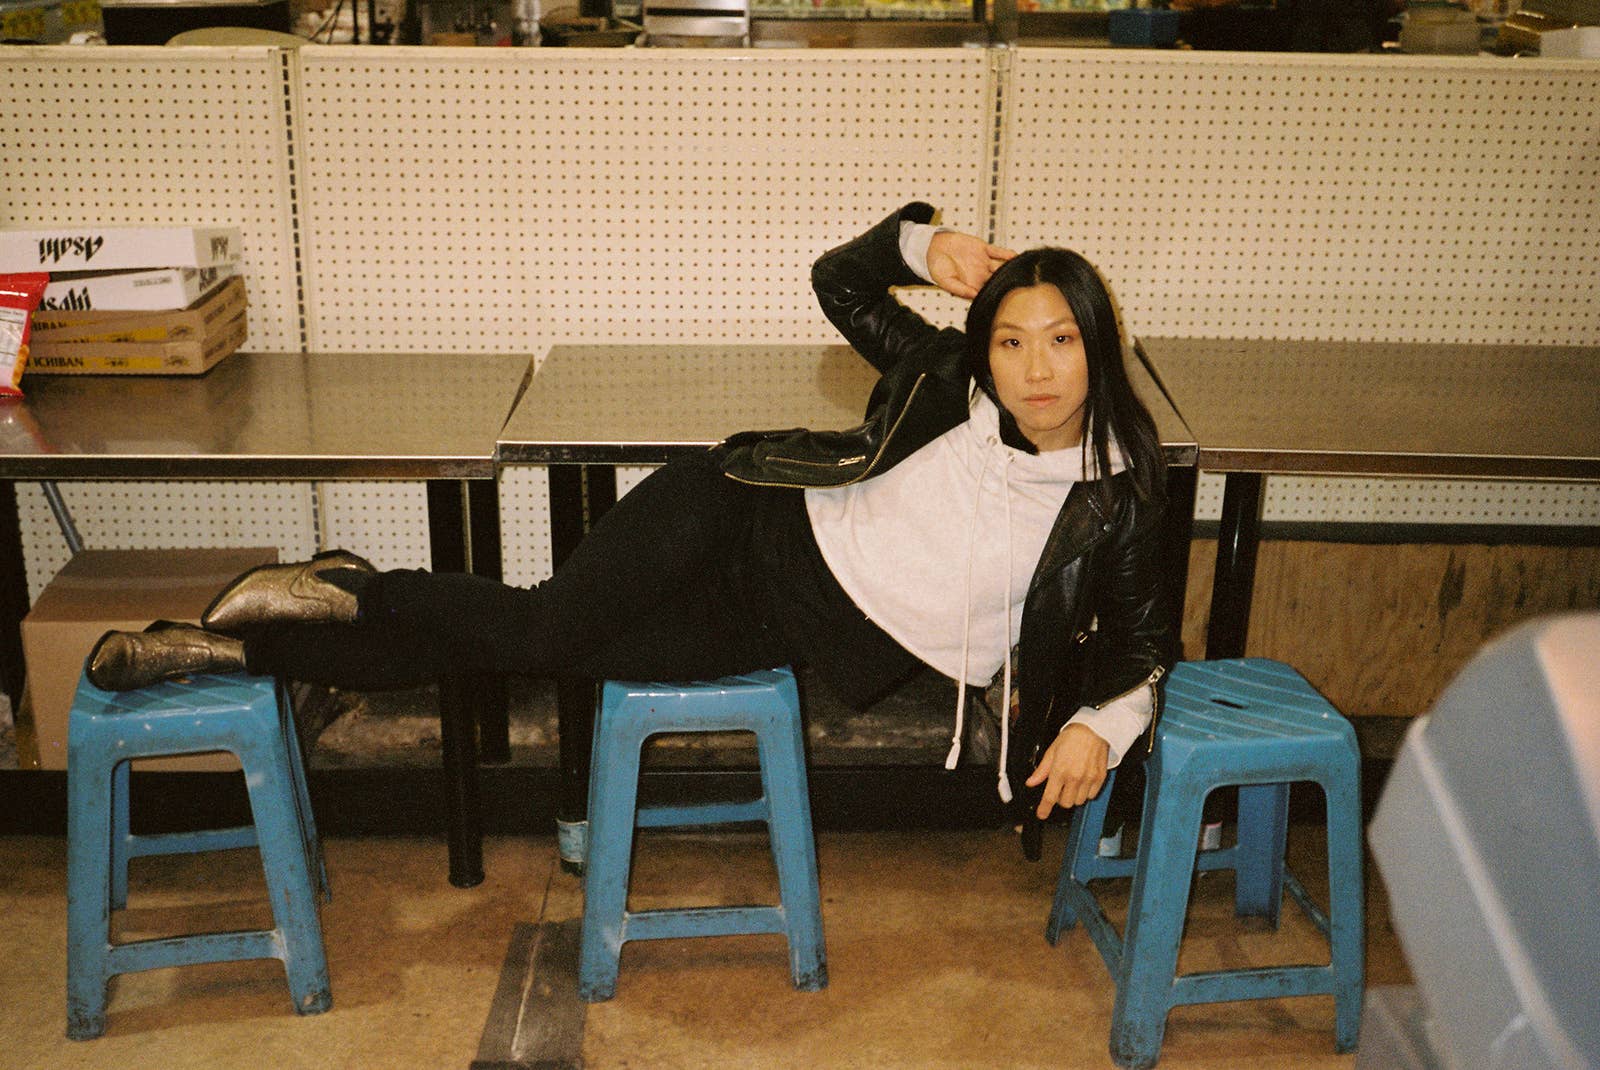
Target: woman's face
1040	371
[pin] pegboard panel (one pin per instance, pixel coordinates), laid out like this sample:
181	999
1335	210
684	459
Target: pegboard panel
525	524
481	199
1297	196
154	136
1382	198
385	522
149	516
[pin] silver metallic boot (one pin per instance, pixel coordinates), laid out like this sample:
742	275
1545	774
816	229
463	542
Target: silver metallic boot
286	594
126	661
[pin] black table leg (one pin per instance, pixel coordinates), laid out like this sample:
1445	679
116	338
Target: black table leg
1235	579
1181	482
463	808
490	699
13	596
448	528
574	698
579	495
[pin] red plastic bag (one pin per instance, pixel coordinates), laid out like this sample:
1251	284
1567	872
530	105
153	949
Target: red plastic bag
19	296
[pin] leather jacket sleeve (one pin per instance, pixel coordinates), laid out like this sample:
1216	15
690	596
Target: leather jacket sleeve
852	285
1134	628
1064	663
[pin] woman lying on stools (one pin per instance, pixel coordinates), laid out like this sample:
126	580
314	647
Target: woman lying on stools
1005	491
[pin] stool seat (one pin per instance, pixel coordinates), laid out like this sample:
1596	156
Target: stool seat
248	716
1257	725
766	703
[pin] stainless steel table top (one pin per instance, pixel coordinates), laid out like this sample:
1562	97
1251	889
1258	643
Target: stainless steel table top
640	404
1375	408
269	416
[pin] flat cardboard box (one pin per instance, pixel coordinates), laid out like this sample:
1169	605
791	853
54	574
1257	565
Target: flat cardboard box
192	357
101	590
99	247
161	290
204	317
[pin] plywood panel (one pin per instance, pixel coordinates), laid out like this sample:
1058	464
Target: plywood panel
1381	629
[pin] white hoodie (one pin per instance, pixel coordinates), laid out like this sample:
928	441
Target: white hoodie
939	551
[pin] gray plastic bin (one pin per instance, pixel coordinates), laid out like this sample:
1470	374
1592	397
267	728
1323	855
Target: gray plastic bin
1488	838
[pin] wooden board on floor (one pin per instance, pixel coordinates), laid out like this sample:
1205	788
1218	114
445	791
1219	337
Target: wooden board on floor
536	1019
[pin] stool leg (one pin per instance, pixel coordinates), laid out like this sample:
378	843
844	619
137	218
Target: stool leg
1083	841
1346	907
613	797
1157	906
120	831
1263	832
794	847
304	815
288	871
89	877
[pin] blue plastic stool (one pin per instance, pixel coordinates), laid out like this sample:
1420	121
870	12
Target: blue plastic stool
1259	725
766	703
247	715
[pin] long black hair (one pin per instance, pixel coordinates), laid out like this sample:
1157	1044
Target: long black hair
1112	411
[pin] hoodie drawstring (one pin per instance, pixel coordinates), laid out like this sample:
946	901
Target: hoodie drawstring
1003	784
954	756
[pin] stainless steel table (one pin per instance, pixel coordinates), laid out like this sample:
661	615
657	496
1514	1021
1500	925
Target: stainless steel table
590	408
1369	409
290	416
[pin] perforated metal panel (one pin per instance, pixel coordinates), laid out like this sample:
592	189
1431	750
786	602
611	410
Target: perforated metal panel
137	515
481	201
525	525
520	199
1295	196
152	136
498	200
386	522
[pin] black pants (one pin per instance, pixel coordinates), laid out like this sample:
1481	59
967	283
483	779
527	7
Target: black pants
689	576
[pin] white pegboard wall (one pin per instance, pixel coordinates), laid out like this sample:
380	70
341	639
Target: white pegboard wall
158	136
1357	198
1293	196
509	200
505	200
525	198
525	524
386	522
148	516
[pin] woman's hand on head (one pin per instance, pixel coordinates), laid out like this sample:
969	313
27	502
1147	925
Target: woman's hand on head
960	264
1072	770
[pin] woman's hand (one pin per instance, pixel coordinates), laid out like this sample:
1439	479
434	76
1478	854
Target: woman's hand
960	264
1072	769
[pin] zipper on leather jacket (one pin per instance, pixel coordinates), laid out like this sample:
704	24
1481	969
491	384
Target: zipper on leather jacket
887	438
842	462
1155	701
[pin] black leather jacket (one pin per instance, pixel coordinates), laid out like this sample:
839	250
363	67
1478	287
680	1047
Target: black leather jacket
1094	625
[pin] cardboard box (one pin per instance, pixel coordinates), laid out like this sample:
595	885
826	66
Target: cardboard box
206	316
101	590
98	247
163	290
193	357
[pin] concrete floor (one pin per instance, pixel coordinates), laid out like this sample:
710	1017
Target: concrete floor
935	947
